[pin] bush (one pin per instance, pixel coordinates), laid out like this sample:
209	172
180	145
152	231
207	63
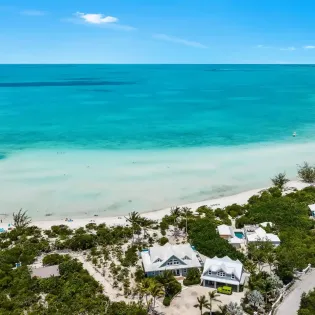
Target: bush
306	172
53	259
163	241
193	277
61	230
167	301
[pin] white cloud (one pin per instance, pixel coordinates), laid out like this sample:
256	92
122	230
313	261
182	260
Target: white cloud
309	47
179	41
33	12
95	18
288	48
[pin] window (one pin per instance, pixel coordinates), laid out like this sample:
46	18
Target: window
158	260
232	277
210	273
169	263
184	271
175	262
186	258
221	274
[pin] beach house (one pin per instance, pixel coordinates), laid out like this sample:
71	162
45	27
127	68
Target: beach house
312	209
218	272
177	258
255	233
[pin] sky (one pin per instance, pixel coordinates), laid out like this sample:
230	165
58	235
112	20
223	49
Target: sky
157	31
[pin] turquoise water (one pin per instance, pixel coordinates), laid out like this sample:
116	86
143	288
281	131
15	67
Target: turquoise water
81	139
239	235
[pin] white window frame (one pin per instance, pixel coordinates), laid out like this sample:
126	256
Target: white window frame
175	262
221	274
232	277
209	273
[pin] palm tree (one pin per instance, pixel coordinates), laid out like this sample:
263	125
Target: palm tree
156	290
145	288
21	219
134	219
175	212
202	302
186	212
213	297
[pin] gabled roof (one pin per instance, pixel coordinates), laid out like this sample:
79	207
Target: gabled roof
155	258
226	264
224	229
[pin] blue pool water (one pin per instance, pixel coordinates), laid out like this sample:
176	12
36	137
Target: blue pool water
81	139
239	234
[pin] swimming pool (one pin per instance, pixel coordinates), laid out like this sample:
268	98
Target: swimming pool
239	234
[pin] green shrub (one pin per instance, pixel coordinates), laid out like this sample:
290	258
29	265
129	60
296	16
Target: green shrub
306	172
61	230
191	282
167	301
193	277
163	241
53	259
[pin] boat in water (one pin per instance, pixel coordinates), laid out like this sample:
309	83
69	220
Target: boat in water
294	134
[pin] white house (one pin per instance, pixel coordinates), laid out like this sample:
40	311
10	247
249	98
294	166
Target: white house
227	232
223	271
312	209
254	233
177	258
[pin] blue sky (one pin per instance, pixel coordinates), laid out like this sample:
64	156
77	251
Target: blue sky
157	31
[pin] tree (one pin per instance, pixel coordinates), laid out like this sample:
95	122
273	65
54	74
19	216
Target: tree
21	219
261	252
156	290
134	219
175	213
213	297
202	303
234	309
186	212
280	180
255	300
307	304
306	172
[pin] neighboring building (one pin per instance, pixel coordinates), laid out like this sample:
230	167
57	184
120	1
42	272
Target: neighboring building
225	231
254	233
45	272
223	271
312	209
177	258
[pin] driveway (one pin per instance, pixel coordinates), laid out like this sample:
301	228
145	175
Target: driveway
183	304
291	303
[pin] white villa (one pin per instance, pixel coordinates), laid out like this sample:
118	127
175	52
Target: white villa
228	234
254	233
177	258
223	271
312	209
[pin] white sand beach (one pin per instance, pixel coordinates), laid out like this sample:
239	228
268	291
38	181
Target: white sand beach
240	198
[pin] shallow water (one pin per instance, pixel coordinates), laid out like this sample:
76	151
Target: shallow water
107	139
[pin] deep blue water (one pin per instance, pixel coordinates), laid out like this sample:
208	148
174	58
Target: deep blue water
154	106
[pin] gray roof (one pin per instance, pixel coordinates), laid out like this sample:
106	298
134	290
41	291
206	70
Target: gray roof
156	258
45	272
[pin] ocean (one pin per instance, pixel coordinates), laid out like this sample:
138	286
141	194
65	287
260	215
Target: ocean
82	140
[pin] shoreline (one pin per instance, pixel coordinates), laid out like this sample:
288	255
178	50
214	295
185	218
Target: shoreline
240	198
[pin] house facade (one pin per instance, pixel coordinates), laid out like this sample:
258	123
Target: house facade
218	272
177	258
227	232
312	209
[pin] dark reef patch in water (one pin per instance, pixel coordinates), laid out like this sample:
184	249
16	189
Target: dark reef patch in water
61	84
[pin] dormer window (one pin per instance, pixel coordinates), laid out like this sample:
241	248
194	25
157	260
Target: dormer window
221	274
232	277
186	258
209	273
158	260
